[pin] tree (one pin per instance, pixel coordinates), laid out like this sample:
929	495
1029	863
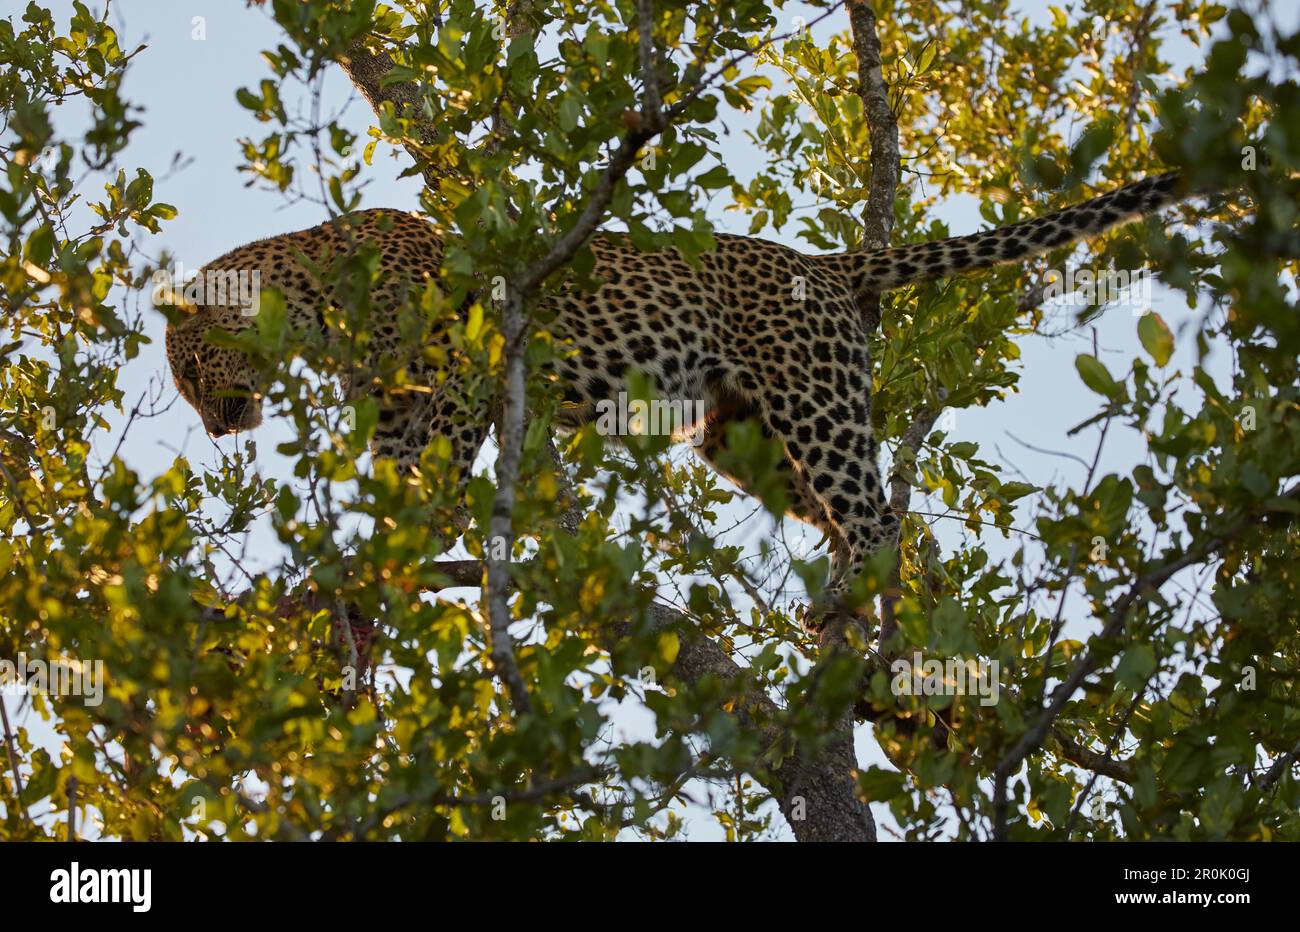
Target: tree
1141	636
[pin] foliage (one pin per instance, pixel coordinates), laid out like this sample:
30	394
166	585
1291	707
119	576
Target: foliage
338	695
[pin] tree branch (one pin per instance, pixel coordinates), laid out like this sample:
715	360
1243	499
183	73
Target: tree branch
651	102
1279	768
1089	759
900	490
878	227
813	786
366	70
878	217
510	437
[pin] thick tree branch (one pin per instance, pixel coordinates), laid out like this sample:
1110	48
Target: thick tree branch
366	70
651	102
878	227
813	786
878	217
510	441
882	128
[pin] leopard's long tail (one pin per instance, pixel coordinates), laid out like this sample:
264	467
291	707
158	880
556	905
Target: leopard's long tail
884	269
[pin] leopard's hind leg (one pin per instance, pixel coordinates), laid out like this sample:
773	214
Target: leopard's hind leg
832	451
801	503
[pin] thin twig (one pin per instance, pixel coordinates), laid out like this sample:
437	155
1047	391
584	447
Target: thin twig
11	748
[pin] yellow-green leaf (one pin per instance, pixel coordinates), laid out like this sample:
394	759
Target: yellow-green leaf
1156	338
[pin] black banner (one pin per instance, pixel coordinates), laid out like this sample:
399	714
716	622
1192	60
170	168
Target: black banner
180	881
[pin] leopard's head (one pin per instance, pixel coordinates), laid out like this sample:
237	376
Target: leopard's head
221	383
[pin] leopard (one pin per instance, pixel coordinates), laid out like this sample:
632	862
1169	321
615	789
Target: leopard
750	330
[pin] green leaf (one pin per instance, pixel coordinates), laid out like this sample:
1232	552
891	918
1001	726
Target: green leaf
1095	375
1138	663
1156	338
40	245
1010	491
715	177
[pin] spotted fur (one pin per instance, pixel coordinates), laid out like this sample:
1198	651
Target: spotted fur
757	330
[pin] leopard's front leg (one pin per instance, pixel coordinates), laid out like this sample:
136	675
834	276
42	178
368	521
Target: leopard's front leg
410	421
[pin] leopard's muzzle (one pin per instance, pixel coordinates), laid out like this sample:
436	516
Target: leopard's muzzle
234	413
